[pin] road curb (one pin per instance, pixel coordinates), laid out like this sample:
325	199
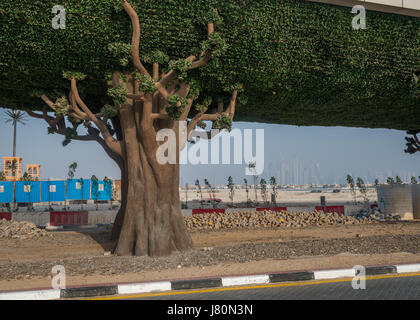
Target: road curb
85	292
196	284
373	271
288	277
160	286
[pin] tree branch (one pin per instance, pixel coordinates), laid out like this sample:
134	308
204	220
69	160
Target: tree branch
34	114
147	120
77	113
155	72
187	109
135	41
50	120
202	116
113	144
232	105
48	102
416	139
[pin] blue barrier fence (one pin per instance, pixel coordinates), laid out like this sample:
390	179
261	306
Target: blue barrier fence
58	191
101	190
53	191
27	191
78	189
6	192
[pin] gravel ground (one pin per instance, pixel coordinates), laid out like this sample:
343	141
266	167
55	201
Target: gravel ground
111	265
271	219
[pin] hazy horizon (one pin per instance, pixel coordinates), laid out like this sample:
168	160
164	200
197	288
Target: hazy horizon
294	155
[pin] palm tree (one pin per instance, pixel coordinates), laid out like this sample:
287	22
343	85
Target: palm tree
15	117
252	167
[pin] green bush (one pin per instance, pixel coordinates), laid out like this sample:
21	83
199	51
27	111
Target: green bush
300	63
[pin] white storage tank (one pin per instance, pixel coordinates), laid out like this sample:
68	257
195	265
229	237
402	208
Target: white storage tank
396	199
415	188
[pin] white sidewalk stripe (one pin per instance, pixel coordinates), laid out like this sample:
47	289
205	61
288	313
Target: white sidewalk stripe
240	280
31	295
332	274
144	287
405	268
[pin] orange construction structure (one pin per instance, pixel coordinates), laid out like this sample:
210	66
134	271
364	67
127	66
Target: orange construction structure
12	168
33	171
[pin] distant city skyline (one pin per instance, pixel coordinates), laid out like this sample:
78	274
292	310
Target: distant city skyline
320	155
294	155
293	172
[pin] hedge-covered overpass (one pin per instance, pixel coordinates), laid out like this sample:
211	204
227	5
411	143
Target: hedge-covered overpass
301	63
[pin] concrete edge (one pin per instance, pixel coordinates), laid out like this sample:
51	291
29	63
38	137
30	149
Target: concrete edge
228	281
50	294
407	268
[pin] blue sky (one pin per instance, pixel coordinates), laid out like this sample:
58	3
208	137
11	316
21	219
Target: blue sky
326	154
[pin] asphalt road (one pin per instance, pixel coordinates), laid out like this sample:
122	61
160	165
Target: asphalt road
391	287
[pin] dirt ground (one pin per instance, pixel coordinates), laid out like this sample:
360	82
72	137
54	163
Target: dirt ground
27	263
284	198
68	244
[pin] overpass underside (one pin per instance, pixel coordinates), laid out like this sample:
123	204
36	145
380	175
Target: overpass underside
402	7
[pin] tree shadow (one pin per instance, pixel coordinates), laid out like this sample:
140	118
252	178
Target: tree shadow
100	235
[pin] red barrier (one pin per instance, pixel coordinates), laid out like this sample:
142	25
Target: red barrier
203	211
373	206
68	218
276	209
331	209
6	215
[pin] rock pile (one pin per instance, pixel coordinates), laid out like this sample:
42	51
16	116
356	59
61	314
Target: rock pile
20	230
270	219
376	214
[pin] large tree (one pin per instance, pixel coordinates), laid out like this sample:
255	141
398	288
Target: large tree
149	221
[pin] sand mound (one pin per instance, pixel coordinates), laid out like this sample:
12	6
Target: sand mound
20	230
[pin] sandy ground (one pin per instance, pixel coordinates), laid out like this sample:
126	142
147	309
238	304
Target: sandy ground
92	244
68	244
291	198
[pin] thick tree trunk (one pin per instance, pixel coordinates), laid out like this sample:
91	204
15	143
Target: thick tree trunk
150	220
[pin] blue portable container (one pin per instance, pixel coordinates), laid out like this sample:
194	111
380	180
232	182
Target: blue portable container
6	191
27	191
53	191
76	190
101	190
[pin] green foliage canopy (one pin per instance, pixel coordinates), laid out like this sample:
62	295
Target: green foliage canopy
300	63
